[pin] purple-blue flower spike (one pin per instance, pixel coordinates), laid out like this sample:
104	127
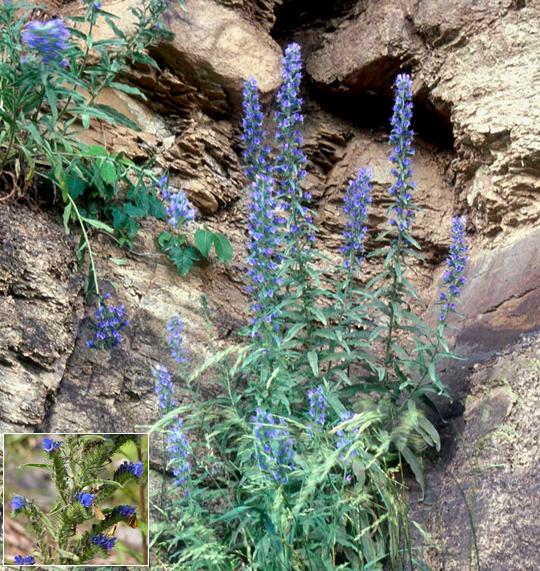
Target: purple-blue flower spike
255	149
401	137
101	540
164	388
275	445
290	164
180	454
263	253
49	39
109	323
175	340
24	560
179	209
453	278
357	201
317	405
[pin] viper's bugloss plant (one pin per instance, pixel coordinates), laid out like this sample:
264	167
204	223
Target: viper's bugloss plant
53	74
109	322
175	242
301	463
82	522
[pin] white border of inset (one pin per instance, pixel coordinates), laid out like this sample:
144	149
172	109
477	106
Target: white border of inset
12	565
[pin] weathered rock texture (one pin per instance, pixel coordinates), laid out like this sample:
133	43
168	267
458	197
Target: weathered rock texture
476	85
476	65
482	508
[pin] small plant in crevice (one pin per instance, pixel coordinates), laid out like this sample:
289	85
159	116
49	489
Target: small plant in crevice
301	462
175	242
53	76
89	480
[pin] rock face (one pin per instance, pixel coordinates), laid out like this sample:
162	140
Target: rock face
476	82
38	314
482	507
476	65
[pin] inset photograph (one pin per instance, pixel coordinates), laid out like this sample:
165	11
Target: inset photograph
75	499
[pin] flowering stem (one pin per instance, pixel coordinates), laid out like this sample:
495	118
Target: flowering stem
86	241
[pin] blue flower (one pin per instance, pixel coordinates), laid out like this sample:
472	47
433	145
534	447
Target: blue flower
24	560
179	209
290	165
402	209
317	405
175	340
85	499
109	322
18	503
456	261
180	453
164	388
101	540
124	511
346	435
276	445
135	468
357	200
50	445
255	150
49	39
264	257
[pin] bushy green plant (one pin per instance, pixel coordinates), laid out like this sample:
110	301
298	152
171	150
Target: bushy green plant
76	529
301	462
52	74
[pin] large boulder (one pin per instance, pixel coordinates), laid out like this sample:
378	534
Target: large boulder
213	52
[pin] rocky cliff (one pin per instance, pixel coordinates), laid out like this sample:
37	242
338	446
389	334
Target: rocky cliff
477	116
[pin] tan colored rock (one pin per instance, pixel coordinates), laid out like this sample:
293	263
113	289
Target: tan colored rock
502	297
39	287
214	49
221	49
364	53
477	65
203	162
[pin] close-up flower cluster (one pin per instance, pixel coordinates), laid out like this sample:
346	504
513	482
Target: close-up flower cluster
75	499
48	39
109	322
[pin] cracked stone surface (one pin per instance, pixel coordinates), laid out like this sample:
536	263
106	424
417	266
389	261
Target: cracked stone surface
481	501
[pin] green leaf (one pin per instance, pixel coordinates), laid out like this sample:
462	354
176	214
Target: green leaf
67	216
107	172
313	362
433	438
68	555
99	225
76	186
36	465
95	151
85	118
319	315
223	248
203	241
415	464
129	89
112	115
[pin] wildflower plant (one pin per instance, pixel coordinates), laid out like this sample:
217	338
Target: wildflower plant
175	242
88	481
53	73
302	462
